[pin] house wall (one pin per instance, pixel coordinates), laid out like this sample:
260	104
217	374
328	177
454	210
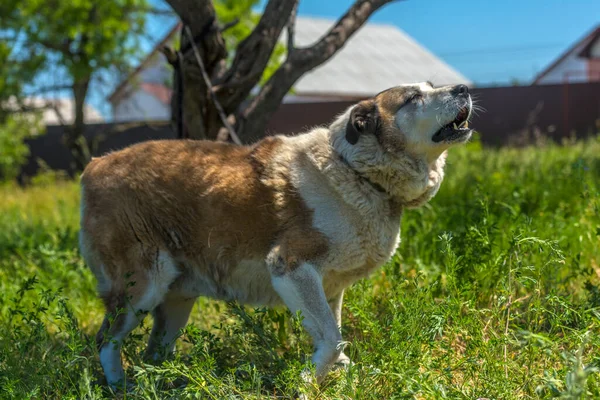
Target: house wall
158	71
139	105
572	69
594	63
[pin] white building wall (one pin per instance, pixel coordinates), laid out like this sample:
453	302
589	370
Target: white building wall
572	69
159	71
140	106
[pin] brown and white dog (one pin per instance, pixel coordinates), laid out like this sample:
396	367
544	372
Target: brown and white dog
289	220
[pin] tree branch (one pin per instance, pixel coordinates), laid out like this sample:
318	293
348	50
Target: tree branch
205	31
253	53
254	117
229	25
154	11
216	103
237	84
211	46
291	30
337	36
55	106
64	47
22	108
202	115
47	89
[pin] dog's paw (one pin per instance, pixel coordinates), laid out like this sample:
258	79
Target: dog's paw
307	376
343	361
122	387
309	382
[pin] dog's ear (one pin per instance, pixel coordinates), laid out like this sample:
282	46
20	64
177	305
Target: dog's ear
364	118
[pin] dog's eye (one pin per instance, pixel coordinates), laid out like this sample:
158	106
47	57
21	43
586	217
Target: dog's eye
413	98
416	97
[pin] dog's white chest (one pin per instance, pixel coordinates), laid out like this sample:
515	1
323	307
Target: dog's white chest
359	237
371	246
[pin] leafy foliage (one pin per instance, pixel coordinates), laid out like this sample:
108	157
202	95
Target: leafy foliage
81	35
494	293
17	67
230	11
13	150
66	46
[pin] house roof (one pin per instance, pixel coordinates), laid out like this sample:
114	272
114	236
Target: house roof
375	58
586	41
591	43
155	50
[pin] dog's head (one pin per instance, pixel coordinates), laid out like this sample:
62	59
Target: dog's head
398	139
416	118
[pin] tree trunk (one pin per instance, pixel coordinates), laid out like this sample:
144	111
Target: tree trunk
253	119
197	111
233	86
74	138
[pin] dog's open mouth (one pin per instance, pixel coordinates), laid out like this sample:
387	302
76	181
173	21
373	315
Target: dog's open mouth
456	129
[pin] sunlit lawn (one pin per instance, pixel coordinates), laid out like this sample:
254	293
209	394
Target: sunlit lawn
494	293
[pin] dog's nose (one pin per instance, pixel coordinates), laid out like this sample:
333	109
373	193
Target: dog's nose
461	89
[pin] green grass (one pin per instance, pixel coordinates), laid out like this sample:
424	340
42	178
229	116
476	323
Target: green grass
494	293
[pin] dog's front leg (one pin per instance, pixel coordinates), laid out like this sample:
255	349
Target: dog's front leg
301	289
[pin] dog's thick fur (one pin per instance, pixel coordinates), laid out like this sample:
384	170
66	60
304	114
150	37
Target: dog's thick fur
289	220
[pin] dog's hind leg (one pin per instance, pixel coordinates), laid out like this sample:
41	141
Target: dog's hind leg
127	303
336	307
301	289
169	317
124	312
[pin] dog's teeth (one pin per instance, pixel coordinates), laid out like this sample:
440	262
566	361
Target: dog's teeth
454	125
466	124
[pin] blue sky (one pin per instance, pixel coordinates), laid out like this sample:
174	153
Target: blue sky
490	42
487	41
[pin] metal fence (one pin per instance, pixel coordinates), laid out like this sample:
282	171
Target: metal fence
515	115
